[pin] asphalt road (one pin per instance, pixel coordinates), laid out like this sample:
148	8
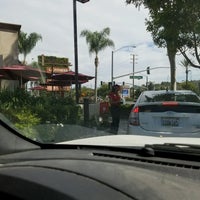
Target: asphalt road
71	132
123	126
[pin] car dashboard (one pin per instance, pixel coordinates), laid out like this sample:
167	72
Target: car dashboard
89	173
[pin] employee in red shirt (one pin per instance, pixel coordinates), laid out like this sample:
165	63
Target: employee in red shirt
115	108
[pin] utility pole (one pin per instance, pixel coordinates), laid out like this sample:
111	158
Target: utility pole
75	51
112	55
76	47
112	67
133	74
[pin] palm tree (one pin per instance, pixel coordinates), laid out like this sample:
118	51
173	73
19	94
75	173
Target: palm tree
185	63
27	42
97	41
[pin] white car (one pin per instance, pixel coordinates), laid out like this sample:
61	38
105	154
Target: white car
166	113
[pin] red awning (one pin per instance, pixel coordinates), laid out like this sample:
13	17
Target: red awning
62	82
39	87
70	76
20	72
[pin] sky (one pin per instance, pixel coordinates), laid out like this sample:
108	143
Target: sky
53	19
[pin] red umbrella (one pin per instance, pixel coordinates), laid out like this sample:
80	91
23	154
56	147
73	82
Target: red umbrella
20	72
62	82
39	87
70	76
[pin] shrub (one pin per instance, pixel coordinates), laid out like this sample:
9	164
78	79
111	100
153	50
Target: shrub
26	111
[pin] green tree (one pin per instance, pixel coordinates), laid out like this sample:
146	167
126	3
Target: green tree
97	41
87	92
185	63
189	86
103	91
191	33
173	25
150	86
27	42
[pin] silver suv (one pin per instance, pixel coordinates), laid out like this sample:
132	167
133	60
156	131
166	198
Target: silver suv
166	113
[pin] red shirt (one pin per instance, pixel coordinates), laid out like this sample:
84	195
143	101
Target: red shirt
114	98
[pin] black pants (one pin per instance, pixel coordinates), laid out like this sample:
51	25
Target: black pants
115	113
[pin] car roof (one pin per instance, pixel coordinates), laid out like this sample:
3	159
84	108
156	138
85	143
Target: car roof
168	91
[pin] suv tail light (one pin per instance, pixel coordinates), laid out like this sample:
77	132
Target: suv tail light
134	117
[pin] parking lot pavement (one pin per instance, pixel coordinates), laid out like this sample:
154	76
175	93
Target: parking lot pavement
70	132
123	126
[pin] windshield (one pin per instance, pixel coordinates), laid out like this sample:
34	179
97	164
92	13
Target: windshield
169	96
74	69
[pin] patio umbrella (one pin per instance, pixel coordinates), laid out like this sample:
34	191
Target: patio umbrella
20	72
39	87
70	76
62	82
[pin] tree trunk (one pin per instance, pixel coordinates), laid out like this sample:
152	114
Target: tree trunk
24	60
186	72
172	58
95	85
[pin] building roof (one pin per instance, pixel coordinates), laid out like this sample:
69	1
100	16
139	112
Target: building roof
10	27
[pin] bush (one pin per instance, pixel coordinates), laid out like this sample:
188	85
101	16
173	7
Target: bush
26	111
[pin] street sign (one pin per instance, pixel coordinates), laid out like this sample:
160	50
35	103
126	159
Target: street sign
125	92
136	77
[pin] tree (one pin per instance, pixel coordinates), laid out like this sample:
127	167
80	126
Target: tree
189	86
191	34
87	92
185	64
103	91
173	25
27	42
97	41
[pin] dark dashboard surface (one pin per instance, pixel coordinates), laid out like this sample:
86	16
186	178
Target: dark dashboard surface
96	174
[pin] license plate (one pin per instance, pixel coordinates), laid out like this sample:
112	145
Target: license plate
170	121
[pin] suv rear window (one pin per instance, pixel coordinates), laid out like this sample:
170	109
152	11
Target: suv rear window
181	97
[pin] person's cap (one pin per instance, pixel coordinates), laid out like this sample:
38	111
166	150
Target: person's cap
116	87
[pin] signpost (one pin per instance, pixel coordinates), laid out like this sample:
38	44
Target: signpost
136	77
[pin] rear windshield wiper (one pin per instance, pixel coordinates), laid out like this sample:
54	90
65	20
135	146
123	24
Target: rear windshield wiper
173	150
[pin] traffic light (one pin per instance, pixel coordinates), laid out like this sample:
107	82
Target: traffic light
148	70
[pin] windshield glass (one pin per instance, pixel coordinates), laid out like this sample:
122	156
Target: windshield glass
74	69
169	96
